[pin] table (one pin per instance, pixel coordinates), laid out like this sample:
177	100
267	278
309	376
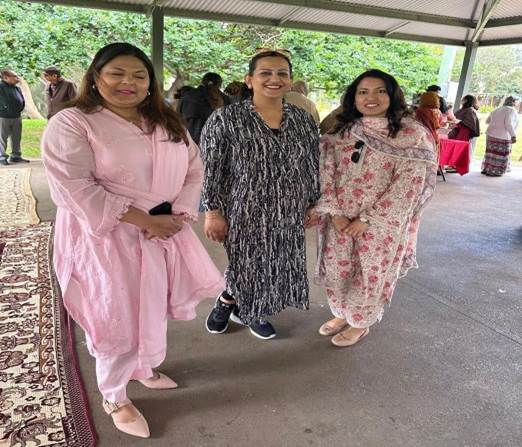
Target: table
454	153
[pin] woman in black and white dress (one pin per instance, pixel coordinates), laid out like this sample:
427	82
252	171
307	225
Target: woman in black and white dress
261	177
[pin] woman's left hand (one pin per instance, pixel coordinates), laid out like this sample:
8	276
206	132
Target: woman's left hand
311	218
356	228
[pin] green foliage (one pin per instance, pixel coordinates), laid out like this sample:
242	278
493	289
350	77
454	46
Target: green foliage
497	70
36	35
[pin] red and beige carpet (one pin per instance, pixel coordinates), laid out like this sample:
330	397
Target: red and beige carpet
42	400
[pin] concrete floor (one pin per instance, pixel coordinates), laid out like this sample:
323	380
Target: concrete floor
443	368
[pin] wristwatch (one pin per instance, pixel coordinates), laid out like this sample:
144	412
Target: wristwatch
364	220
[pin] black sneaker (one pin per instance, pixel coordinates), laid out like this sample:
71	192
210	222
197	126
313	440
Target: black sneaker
4	162
262	329
18	160
217	320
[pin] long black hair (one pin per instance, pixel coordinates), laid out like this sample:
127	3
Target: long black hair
153	107
397	110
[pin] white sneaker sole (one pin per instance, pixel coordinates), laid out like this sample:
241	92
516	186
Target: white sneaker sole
260	336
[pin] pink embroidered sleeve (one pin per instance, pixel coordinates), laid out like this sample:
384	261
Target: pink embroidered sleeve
187	201
394	208
69	162
328	174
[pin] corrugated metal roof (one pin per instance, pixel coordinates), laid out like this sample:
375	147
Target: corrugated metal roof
443	21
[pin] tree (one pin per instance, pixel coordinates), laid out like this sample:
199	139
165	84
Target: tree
497	70
37	35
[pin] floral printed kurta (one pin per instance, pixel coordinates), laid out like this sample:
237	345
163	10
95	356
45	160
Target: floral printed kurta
389	186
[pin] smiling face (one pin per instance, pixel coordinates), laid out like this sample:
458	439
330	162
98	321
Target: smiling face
123	82
371	97
271	77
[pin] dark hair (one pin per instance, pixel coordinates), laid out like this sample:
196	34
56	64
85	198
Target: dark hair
253	62
153	108
212	83
397	110
510	101
233	88
433	88
6	72
52	70
469	101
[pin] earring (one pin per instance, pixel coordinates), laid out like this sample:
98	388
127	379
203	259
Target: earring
94	86
148	93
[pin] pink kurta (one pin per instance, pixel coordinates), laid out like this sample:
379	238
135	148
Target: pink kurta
389	186
117	285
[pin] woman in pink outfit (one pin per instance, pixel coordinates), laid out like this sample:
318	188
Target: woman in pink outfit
126	179
378	168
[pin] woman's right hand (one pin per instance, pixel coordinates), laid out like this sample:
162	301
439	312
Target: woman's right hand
162	226
216	227
340	223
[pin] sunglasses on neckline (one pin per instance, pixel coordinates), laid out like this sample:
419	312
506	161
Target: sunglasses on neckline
359	145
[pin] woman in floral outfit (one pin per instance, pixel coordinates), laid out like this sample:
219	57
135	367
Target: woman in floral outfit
378	169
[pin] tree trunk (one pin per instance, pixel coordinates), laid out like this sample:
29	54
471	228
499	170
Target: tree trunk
30	107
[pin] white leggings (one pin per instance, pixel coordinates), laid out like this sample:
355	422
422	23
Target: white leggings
114	373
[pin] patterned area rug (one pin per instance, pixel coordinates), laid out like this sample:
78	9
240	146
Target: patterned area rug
17	204
42	401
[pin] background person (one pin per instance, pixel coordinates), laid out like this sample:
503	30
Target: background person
468	128
59	91
12	104
298	97
196	105
500	136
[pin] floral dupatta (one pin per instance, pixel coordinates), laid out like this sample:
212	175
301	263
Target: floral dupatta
413	142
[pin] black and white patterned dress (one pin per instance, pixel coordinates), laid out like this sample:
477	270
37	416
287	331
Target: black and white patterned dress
262	181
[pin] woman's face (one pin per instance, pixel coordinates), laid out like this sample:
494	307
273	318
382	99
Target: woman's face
271	78
123	82
371	97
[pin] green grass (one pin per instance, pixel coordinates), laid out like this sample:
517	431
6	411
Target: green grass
31	135
33	129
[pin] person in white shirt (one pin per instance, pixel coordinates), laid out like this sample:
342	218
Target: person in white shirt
500	136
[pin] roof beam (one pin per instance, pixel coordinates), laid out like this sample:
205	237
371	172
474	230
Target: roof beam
231	18
287	16
507	41
487	12
341	6
250	20
396	28
505	21
95	4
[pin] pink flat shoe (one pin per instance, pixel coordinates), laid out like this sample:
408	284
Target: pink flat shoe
342	341
159	382
328	328
138	427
